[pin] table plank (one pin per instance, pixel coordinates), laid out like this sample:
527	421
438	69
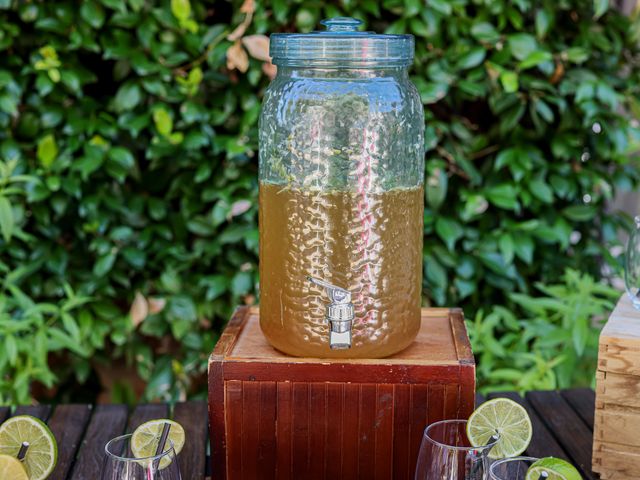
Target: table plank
479	399
145	412
543	443
68	423
107	422
4	414
583	401
39	411
193	418
568	428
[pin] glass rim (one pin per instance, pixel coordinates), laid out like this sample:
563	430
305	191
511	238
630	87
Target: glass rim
454	447
502	461
168	449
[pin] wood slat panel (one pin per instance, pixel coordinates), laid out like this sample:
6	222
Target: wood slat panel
426	406
366	432
39	411
267	427
191	415
68	424
350	422
145	412
583	401
106	422
319	418
283	428
568	428
334	453
250	428
384	432
300	430
233	423
543	443
402	461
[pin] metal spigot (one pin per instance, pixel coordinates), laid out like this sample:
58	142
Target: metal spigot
339	314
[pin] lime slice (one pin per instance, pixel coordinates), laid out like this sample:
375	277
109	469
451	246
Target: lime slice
42	453
555	468
12	468
145	439
506	417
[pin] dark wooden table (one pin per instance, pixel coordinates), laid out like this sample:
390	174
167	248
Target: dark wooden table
562	427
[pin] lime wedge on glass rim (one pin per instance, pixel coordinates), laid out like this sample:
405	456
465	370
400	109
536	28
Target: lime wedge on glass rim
146	438
12	468
42	454
506	417
554	468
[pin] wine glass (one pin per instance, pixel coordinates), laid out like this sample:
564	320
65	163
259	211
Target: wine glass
632	265
120	464
511	468
447	454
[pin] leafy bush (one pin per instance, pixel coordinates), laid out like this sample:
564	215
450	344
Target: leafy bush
128	179
548	341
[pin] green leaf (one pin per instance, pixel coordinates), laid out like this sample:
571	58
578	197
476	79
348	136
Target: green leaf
127	97
600	7
509	81
503	196
104	264
522	45
442	6
577	54
506	247
485	32
535	58
181	9
92	12
436	187
580	213
541	190
11	346
6	219
449	231
523	246
163	121
544	110
47	150
471	59
543	21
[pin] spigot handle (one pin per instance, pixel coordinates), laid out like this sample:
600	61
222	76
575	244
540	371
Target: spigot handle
335	293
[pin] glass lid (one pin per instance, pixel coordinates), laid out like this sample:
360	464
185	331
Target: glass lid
341	44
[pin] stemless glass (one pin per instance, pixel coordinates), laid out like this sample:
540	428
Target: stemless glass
447	454
120	464
511	468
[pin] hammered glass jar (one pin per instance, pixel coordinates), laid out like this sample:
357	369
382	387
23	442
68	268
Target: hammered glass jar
341	194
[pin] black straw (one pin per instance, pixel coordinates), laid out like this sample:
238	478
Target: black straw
23	450
163	438
544	476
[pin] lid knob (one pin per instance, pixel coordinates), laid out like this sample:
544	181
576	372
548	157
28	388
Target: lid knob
342	24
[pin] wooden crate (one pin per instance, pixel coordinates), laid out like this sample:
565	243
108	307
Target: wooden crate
273	416
616	439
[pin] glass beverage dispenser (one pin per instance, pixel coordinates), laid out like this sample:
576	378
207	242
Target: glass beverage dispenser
341	194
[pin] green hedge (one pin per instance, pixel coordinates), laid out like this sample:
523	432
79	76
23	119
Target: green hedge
128	139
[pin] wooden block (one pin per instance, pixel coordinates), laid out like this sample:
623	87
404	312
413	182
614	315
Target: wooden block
278	417
616	443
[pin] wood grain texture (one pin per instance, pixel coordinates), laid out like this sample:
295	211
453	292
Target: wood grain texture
106	422
192	415
39	411
68	424
566	426
583	401
145	412
543	442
